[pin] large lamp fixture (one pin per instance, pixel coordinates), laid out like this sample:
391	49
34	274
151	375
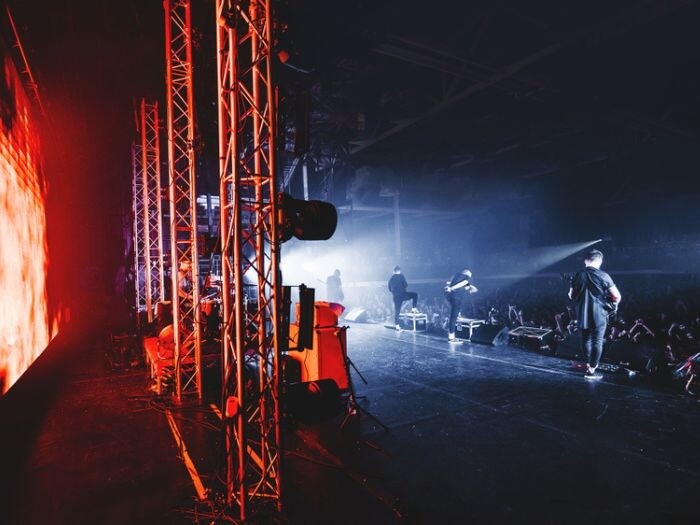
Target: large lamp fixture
306	220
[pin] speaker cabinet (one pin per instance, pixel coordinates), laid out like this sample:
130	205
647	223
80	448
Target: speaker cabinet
490	334
326	359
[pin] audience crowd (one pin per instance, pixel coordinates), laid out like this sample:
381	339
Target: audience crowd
661	311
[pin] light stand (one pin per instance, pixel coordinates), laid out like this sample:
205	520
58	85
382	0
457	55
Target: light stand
353	407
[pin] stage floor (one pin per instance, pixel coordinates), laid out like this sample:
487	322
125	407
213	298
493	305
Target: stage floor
477	434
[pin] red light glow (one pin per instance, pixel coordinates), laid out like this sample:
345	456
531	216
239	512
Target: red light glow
24	322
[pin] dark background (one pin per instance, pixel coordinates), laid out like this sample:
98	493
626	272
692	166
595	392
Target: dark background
542	124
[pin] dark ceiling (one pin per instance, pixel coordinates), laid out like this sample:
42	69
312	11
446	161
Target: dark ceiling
509	97
453	101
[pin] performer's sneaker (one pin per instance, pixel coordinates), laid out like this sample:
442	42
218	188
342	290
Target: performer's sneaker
592	374
398	327
414	310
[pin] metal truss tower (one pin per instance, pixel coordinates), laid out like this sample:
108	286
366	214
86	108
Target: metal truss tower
250	254
139	231
183	200
152	206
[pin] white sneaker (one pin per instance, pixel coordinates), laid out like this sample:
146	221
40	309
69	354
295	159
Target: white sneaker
398	327
592	374
451	338
414	310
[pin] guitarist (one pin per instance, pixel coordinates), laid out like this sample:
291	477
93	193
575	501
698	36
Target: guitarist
334	288
456	291
595	296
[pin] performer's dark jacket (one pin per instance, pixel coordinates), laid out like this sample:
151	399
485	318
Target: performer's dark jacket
591	297
397	284
460	293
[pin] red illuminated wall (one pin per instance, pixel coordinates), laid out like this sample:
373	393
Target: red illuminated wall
25	328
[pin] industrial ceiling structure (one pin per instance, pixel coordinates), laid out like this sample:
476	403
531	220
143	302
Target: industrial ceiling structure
538	110
542	110
516	99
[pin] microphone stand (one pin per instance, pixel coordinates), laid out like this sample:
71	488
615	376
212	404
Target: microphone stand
353	407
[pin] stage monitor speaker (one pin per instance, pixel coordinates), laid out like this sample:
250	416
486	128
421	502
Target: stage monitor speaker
357	315
490	334
313	401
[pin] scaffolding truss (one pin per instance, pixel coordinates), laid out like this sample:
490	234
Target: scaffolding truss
183	201
139	231
152	206
250	254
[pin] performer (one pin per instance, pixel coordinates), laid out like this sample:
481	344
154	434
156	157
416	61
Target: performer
334	288
456	291
397	287
594	295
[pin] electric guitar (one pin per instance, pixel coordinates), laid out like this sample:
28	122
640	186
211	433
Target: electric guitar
610	308
449	290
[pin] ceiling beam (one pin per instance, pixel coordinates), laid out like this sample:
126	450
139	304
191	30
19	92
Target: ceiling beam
607	29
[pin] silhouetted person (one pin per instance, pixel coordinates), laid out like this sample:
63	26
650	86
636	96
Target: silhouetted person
594	295
397	287
334	288
456	291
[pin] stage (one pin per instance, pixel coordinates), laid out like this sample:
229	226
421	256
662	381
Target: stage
477	434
